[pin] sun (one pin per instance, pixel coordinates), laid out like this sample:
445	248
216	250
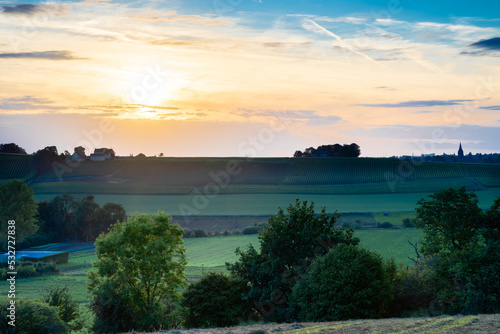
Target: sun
151	86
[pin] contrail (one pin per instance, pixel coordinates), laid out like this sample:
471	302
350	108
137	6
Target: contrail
344	44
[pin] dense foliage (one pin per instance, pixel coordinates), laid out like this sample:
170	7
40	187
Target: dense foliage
461	264
17	203
64	217
62	299
450	219
32	316
137	276
11	148
336	150
288	244
349	282
216	301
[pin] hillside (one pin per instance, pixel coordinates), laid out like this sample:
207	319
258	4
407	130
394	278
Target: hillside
15	166
182	176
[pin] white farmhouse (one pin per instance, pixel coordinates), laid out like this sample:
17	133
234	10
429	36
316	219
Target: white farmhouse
101	154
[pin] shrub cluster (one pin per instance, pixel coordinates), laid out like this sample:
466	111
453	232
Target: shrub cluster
56	314
216	301
30	269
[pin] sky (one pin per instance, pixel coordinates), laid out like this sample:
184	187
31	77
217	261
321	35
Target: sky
256	78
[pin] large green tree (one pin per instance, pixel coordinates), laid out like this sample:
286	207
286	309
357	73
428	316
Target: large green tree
17	203
109	214
139	271
288	244
87	217
451	220
461	253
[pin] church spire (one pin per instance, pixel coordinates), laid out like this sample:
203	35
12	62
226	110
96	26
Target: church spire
460	151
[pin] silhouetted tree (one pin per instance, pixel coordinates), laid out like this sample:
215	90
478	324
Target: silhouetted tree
11	148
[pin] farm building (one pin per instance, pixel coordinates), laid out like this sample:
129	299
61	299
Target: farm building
78	156
101	154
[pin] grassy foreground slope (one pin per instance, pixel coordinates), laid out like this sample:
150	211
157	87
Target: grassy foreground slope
445	324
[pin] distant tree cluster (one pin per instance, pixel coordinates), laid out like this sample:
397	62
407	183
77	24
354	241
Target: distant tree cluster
342	151
12	148
46	159
64	217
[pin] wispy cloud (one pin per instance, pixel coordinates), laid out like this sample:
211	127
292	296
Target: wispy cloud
27	103
312	26
416	104
425	111
490	108
311	117
35	9
157	16
50	55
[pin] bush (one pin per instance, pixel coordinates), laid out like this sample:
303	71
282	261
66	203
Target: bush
348	282
32	316
385	225
215	301
62	299
251	230
407	222
28	269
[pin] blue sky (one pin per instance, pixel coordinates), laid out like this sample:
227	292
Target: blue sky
213	78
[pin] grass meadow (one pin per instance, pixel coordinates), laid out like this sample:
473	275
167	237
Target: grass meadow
265	204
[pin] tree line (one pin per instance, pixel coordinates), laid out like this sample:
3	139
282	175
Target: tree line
336	150
64	217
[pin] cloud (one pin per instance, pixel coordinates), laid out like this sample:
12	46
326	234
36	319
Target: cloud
157	16
51	55
312	26
344	19
425	111
309	116
35	9
485	47
490	44
416	104
281	44
27	103
490	108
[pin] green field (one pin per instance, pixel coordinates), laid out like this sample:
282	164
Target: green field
265	204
